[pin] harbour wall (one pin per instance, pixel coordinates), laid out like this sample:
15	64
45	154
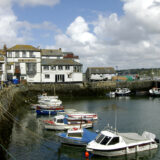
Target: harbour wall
91	88
11	99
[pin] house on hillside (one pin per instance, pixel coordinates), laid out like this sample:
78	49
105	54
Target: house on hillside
100	73
24	63
61	70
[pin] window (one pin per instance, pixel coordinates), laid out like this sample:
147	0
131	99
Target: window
9	67
99	138
0	66
16	54
78	135
59	120
47	76
23	54
53	67
9	54
60	67
105	140
31	54
115	140
31	68
67	67
46	67
77	69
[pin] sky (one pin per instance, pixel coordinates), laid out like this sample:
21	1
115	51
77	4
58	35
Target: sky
123	34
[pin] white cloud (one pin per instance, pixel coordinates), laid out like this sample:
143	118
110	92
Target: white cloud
13	31
37	2
129	41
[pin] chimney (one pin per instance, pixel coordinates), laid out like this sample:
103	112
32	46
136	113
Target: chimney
60	49
5	47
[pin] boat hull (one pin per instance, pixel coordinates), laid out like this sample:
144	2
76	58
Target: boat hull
48	112
123	151
65	127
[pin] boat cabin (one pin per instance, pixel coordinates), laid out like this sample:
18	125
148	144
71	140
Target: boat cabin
75	133
107	138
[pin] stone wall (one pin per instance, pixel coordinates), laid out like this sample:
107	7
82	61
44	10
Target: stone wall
89	89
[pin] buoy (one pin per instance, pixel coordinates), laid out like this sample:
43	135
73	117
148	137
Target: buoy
86	154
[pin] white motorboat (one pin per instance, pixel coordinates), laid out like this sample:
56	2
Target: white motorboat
61	123
110	143
154	91
122	91
83	115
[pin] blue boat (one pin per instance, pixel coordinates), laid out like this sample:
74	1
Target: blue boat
47	112
77	137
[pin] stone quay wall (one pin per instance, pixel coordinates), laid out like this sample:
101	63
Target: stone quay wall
89	89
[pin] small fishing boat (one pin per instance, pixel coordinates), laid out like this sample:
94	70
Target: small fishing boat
111	143
61	123
47	107
82	115
122	92
154	91
48	111
77	136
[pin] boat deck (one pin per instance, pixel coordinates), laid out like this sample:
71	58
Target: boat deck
132	137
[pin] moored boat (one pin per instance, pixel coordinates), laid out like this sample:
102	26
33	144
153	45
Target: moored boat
77	136
109	143
154	91
61	123
83	115
122	92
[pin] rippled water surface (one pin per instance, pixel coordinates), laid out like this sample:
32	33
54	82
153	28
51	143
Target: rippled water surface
29	140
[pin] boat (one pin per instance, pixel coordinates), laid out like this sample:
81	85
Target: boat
122	92
61	123
82	115
77	136
111	143
48	111
47	107
154	91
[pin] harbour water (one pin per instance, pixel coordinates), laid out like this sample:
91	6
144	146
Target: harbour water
29	140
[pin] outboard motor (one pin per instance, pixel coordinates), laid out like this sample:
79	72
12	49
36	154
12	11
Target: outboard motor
156	140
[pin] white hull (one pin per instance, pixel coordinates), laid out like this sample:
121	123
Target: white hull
65	127
123	151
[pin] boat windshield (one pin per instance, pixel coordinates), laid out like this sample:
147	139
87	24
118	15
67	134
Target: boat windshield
78	135
102	139
59	120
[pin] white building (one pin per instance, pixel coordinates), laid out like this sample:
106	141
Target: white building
51	53
61	70
24	63
2	66
100	73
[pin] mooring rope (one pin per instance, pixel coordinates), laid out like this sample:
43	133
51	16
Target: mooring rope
7	152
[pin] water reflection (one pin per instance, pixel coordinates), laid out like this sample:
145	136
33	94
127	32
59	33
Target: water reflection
77	152
133	115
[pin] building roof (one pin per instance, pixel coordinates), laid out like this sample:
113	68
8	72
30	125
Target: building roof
2	52
56	62
101	70
51	52
23	48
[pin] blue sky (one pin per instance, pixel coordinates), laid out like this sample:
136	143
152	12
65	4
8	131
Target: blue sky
62	14
103	33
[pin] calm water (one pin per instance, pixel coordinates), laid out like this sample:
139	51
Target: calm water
29	141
